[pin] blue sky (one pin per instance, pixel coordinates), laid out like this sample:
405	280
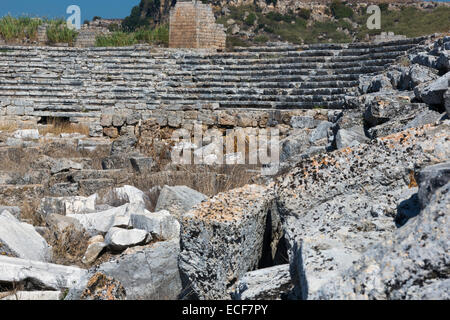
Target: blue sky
57	8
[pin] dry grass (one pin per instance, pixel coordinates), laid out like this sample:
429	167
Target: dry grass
58	126
69	246
29	212
8	127
208	180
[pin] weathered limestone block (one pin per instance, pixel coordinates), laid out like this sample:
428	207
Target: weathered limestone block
222	239
335	206
43	275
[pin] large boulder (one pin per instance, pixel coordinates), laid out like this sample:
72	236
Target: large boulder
433	92
118	239
39	275
416	75
225	237
412	264
272	283
161	225
146	273
335	206
350	137
67	205
105	220
178	199
21	240
430	179
447	102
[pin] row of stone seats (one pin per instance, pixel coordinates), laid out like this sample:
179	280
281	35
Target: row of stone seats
81	81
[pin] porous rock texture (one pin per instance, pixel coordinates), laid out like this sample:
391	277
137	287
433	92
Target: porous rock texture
412	264
146	273
333	207
222	239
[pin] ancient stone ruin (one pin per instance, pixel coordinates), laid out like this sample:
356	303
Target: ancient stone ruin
192	25
92	206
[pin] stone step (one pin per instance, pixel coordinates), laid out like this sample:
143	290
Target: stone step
265	85
235	98
265	105
244	91
250	79
287	60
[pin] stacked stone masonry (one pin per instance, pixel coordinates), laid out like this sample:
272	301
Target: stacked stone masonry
193	25
181	86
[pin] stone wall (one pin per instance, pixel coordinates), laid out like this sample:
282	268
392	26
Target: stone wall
192	25
87	36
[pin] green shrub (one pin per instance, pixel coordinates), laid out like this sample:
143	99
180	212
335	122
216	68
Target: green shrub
275	16
340	10
117	39
261	39
159	35
304	13
233	41
384	6
250	20
58	32
114	27
134	20
19	28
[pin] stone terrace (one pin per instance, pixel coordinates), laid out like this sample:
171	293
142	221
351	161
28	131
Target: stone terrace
80	84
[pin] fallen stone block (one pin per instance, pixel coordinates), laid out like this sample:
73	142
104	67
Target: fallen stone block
118	239
45	276
178	199
272	283
22	239
222	239
146	273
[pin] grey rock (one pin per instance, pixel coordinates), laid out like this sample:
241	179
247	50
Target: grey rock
60	165
59	222
178	199
34	295
335	206
22	239
161	225
322	131
142	164
424	59
416	75
430	179
272	283
447	102
443	62
433	92
123	144
147	273
26	134
222	239
92	252
412	264
304	122
119	239
105	220
15	211
350	137
39	275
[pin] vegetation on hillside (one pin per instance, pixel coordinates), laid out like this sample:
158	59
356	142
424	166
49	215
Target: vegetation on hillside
25	28
158	35
248	25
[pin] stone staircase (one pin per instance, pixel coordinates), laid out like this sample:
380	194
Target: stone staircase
80	83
